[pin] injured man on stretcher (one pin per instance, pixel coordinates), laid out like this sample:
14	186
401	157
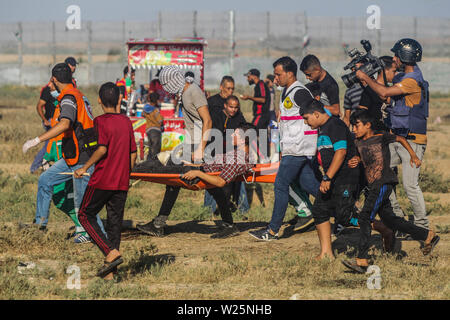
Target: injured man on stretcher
231	165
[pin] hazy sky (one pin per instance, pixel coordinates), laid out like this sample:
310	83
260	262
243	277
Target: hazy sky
101	10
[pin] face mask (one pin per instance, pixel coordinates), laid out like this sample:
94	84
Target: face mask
54	94
251	82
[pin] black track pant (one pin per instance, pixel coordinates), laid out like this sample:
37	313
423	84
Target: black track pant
377	201
220	195
93	201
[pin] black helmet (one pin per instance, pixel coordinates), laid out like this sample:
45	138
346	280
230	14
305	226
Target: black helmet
408	50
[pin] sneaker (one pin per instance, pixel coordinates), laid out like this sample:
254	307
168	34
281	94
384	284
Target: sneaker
303	223
82	239
151	229
263	234
293	221
227	230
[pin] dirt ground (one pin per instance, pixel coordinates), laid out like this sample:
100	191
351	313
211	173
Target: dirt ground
186	263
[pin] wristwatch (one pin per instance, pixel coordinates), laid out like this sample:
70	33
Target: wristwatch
326	178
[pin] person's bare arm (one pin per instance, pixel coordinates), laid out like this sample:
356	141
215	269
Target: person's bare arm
40	110
382	91
59	128
414	159
346	118
211	179
336	163
260	100
96	156
334	109
133	157
203	112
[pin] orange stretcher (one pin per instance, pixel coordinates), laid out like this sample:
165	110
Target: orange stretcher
265	173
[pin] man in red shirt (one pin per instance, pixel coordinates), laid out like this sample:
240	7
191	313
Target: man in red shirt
114	159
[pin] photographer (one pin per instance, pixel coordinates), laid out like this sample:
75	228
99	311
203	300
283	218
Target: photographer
371	101
409	96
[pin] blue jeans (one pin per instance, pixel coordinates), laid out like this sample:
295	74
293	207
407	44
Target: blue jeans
51	178
291	168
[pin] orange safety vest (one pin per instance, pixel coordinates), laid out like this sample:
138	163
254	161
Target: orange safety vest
81	137
123	83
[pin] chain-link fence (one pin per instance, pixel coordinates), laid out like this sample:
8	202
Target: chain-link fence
237	41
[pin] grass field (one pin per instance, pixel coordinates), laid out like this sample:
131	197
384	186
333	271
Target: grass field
187	264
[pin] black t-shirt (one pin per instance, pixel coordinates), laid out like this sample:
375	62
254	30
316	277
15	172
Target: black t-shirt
332	136
261	112
221	122
329	90
372	101
376	158
216	101
49	102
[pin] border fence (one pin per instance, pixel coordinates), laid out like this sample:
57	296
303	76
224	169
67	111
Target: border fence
237	41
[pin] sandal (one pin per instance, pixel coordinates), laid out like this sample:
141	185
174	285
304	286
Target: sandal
352	265
427	248
109	267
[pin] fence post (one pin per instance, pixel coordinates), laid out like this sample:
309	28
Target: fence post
268	34
415	28
194	23
159	33
89	51
54	42
19	52
232	40
124	53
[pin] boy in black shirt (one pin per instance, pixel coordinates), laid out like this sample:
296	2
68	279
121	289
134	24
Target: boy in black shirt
329	89
339	184
373	151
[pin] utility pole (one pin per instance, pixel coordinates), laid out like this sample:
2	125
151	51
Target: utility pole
268	34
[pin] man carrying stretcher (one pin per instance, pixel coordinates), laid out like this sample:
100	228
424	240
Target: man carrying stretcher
231	165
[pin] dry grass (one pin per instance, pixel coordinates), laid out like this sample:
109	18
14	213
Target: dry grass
187	264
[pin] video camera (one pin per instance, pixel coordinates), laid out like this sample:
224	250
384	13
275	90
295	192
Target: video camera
371	64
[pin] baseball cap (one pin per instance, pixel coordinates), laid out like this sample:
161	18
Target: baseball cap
71	61
254	72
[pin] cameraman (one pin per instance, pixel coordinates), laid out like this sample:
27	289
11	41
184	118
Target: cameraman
371	101
409	97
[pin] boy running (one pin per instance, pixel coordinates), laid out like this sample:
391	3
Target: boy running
373	151
340	182
114	159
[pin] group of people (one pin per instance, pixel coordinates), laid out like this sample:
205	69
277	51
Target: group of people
319	153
